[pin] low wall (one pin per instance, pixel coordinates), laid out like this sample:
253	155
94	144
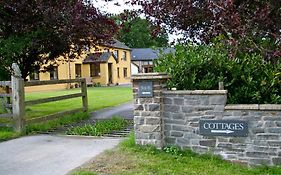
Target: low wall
184	109
173	117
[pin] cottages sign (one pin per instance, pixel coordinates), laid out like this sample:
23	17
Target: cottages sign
236	128
146	89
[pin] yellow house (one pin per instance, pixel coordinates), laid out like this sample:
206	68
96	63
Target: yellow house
105	65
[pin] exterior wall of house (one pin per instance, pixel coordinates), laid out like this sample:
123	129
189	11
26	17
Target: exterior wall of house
66	71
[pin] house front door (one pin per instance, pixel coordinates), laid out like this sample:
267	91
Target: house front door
110	73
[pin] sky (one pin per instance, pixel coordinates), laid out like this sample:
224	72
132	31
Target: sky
109	7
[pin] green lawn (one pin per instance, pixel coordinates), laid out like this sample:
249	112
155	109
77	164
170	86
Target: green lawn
98	98
130	159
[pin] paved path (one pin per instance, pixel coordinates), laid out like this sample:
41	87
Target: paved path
124	110
49	155
56	155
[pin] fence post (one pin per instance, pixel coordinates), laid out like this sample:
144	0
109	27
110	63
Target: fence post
84	96
221	85
18	104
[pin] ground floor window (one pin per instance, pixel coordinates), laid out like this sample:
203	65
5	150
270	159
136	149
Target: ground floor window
148	69
54	73
95	70
125	72
118	72
78	70
34	75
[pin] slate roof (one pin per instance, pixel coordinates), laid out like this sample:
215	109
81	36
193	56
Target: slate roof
117	44
148	54
100	57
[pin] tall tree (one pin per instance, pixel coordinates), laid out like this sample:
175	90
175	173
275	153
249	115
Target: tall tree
244	25
35	32
136	32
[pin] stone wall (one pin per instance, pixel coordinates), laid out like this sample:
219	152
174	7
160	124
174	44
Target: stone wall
172	118
184	109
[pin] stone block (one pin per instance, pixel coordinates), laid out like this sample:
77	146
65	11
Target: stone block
271	118
187	109
269	124
157	100
225	145
145	100
138	107
259	161
151	113
219	108
278	124
180	127
167	127
168	100
154	107
179	116
274	143
268	136
171	108
193	124
203	108
276	161
167	115
274	130
182	142
137	113
192	102
209	143
172	121
170	140
217	100
257	154
257	130
152	121
178	101
176	134
200	149
138	120
149	128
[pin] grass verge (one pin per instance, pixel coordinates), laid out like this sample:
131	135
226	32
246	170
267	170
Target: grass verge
130	159
7	133
100	127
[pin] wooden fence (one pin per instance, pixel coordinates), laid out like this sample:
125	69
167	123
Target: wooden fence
5	97
18	100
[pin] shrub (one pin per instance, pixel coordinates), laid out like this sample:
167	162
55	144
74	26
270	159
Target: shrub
248	78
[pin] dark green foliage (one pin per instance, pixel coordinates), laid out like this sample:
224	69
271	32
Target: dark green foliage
248	78
100	128
138	33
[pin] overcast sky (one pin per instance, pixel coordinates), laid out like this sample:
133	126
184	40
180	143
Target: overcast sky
109	7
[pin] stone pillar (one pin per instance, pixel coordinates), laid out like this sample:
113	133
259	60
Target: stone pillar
148	110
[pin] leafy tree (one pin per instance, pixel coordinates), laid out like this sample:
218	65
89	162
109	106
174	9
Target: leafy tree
35	32
139	33
243	25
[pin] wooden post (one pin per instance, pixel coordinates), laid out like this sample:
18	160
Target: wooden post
84	96
18	103
221	86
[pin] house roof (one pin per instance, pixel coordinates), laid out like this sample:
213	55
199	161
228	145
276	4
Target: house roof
99	57
148	54
117	44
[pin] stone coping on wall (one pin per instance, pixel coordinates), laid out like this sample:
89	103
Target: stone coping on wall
150	76
196	92
264	107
